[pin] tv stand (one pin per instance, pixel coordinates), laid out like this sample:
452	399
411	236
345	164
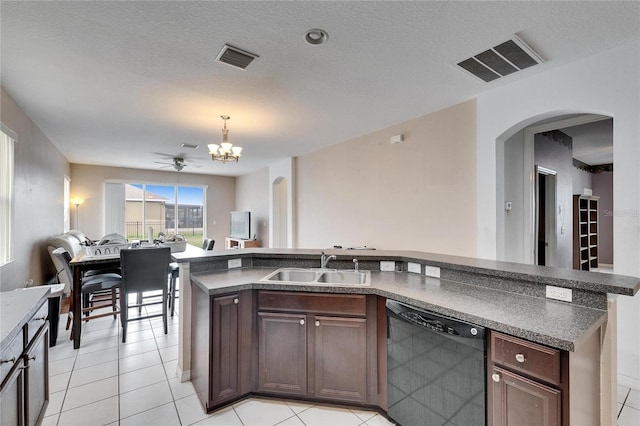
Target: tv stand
237	243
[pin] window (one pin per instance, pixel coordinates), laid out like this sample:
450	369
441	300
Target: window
150	208
6	198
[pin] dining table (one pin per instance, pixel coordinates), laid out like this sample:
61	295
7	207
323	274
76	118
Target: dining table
80	264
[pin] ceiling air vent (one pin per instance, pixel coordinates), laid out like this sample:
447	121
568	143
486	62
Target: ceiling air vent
506	58
235	57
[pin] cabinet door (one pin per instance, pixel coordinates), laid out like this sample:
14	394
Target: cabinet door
37	378
282	353
224	349
12	396
340	358
515	400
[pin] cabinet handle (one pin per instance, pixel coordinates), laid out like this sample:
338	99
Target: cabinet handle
495	377
236	301
317	323
31	358
8	360
301	322
520	358
41	318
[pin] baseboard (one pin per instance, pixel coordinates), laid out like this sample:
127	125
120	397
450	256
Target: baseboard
184	376
629	382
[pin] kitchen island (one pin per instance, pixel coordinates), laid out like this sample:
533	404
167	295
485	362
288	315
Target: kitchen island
508	299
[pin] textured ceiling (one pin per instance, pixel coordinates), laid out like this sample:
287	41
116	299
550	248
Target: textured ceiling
121	83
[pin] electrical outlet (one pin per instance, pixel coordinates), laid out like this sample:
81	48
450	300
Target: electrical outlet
234	263
416	268
387	266
432	271
559	293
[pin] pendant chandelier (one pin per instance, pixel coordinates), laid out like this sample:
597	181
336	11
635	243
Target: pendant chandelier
224	152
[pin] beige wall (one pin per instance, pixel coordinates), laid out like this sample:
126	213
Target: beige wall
39	175
416	195
252	194
87	182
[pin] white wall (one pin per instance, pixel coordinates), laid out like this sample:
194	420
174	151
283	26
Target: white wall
603	188
416	195
511	247
581	179
87	182
607	84
39	195
252	194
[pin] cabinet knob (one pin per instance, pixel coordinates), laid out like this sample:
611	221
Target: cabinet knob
301	322
495	377
236	301
520	358
8	360
317	323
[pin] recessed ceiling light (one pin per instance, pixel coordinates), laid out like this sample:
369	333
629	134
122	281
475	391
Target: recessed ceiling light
316	36
188	145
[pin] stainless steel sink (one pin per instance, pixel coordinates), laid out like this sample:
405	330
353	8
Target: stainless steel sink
299	275
318	276
345	277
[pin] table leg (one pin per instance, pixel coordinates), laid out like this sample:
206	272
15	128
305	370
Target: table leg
77	306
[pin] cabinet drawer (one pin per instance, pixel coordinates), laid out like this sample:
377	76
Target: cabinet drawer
36	322
320	303
10	356
527	357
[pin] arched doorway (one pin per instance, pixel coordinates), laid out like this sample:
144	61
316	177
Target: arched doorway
518	187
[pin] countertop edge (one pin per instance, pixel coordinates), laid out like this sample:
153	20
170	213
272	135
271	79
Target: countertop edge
518	330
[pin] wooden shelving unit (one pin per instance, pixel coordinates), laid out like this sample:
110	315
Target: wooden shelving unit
585	232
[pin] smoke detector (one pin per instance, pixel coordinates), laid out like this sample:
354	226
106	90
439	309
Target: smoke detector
506	58
235	57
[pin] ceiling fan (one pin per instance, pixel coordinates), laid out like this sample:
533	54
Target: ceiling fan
178	163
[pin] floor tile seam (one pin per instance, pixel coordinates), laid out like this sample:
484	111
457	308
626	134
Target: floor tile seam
89	403
141	353
149	409
148	384
238	415
284	420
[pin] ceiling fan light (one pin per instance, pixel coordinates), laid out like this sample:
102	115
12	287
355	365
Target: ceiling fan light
213	148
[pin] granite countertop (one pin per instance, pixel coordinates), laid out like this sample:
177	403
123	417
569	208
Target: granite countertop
16	308
549	322
570	278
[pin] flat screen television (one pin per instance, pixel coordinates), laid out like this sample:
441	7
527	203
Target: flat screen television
240	225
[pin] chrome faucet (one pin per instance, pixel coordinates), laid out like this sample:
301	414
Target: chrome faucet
324	259
355	265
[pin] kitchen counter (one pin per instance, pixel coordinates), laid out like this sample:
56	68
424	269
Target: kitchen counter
552	323
16	308
503	296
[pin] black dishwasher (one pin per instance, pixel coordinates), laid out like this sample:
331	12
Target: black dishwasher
436	369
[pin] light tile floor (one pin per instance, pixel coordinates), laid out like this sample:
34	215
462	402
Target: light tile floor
107	382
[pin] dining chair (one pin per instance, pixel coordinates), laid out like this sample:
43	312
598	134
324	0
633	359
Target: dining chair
89	284
143	270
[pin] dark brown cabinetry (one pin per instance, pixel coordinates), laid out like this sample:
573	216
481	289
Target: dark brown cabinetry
24	392
340	358
221	345
282	353
315	345
526	384
585	232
